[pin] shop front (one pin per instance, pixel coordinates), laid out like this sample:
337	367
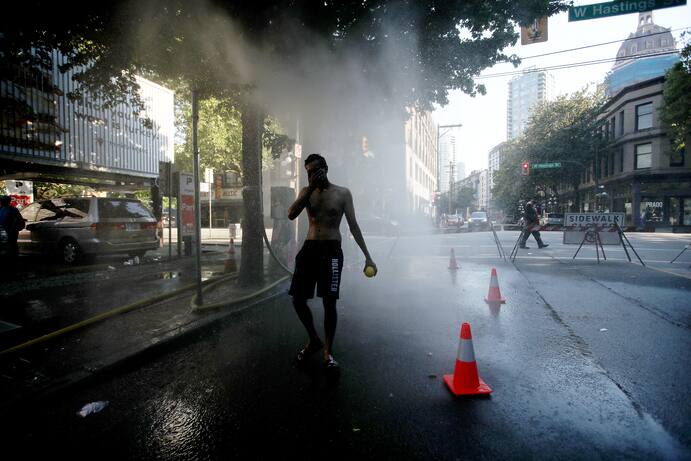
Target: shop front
664	205
226	207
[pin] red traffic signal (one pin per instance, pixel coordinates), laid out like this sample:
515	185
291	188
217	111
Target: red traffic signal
525	168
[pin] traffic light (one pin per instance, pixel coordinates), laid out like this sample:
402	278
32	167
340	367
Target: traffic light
525	168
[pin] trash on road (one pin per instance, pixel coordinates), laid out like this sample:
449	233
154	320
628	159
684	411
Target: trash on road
111	268
356	429
93	407
603	329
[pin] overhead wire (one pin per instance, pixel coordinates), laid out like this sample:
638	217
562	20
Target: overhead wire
598	44
575	64
583	63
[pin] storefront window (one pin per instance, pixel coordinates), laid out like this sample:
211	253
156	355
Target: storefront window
652	210
687	212
674	211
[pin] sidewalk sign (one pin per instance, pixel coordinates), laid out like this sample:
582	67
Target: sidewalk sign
576	225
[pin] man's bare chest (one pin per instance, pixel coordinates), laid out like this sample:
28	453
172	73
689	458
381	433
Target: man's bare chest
326	204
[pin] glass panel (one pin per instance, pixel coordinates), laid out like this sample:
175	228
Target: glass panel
687	212
644	116
122	209
75	209
676	158
644	155
652	210
29	213
674	211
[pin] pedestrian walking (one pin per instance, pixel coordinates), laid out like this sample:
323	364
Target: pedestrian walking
531	225
320	260
11	222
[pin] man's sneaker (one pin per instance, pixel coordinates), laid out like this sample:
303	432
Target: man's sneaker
545	245
525	248
308	350
331	364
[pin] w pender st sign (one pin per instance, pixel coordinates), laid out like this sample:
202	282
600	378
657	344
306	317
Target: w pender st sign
603	10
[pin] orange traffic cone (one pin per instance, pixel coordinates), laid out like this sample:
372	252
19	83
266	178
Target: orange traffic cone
494	294
229	265
452	262
465	380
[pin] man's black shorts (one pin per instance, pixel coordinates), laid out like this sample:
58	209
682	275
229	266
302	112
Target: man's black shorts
320	263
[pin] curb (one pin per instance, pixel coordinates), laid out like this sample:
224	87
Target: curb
100	369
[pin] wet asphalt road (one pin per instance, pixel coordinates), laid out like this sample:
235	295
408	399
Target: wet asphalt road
586	362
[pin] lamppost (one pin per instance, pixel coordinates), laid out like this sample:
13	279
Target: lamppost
439	166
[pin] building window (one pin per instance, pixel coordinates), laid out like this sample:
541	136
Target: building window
663	42
634	49
612	127
621	123
644	116
610	166
648	44
644	156
676	158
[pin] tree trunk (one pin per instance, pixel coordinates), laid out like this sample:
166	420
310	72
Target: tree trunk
251	265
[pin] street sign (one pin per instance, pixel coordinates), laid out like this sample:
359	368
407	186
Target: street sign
603	10
545	166
576	225
536	32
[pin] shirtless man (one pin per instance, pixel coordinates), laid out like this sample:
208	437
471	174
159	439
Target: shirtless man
320	260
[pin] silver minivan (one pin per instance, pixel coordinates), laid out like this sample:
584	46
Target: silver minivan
78	227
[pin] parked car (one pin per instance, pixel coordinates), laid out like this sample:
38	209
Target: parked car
77	227
478	221
552	219
454	221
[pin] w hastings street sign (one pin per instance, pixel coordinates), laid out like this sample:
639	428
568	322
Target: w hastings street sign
545	166
603	10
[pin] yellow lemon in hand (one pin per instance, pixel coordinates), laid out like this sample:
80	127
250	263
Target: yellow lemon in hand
369	271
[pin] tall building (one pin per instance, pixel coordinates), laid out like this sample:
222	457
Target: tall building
421	161
495	158
525	91
459	170
449	165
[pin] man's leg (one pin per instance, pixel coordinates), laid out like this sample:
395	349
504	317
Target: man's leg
330	320
305	316
538	239
524	238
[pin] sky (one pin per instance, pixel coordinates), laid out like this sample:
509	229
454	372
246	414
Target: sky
484	117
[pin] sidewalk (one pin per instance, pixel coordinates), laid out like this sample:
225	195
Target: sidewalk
40	370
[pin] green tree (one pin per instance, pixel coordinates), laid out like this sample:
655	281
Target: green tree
676	112
432	47
565	130
465	198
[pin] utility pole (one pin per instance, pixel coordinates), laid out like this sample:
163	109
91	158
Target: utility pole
452	182
439	136
197	206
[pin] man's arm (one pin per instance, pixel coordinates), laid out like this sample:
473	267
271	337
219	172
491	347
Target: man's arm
300	203
355	229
